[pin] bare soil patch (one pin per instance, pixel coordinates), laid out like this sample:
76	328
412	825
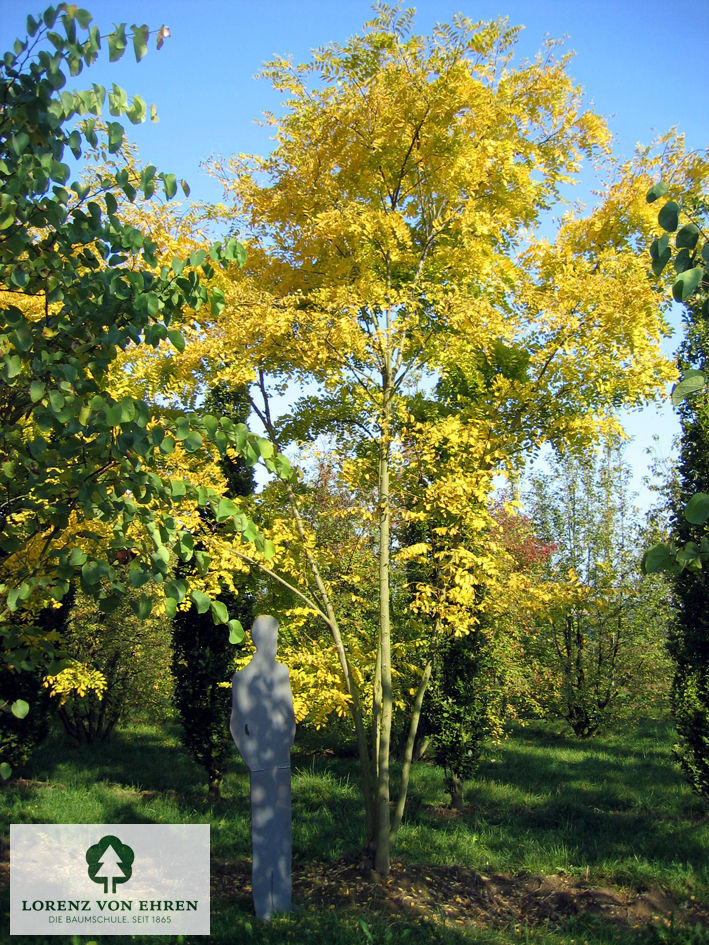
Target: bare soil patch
462	896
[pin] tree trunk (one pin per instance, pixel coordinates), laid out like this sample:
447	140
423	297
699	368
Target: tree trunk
454	786
383	844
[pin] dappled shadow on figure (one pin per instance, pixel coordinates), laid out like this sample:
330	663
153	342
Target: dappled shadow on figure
263	728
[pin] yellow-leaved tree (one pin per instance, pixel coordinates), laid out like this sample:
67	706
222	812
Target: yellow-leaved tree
395	265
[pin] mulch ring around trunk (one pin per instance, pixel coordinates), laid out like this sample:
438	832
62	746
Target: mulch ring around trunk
460	895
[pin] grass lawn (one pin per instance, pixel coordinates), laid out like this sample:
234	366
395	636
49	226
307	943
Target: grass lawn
562	842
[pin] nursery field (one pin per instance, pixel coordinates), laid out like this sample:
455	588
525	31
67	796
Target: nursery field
561	841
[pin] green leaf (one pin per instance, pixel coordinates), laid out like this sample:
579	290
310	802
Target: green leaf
692	382
19	708
142	607
182	427
167	445
201	601
13	597
170	607
77	557
93	571
20	141
192	442
660	253
217	302
687	283
202	560
178	342
178	489
140	41
282	466
115	136
660	557
687	237
236	631
176	590
265	448
170	185
108	605
668	217
197	258
697	510
219	612
226	509
56	400
5	770
11	365
688	557
117	43
656	191
37	390
683	261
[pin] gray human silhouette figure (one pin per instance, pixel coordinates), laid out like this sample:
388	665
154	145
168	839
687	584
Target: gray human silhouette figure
263	728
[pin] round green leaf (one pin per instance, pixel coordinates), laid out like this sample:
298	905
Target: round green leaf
692	382
660	557
697	510
192	442
178	342
19	708
687	237
142	607
687	283
5	770
236	632
226	509
683	261
219	612
37	390
668	217
201	601
656	191
77	557
115	136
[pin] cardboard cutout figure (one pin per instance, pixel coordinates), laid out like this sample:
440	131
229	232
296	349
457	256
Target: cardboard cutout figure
263	728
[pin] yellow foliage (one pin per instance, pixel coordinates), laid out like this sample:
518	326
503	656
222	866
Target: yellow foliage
75	679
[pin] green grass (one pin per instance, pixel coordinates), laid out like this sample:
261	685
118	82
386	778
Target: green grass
612	810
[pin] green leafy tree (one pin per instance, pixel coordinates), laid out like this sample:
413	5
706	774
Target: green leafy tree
686	556
127	654
455	715
21	731
203	657
607	625
80	472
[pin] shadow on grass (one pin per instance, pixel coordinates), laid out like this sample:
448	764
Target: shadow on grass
617	799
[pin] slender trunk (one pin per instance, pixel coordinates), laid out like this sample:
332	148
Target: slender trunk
454	785
409	750
376	717
382	853
365	768
332	622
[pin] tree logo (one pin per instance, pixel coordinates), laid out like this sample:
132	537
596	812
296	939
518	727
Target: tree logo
110	862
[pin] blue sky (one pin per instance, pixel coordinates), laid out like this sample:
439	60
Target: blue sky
629	58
